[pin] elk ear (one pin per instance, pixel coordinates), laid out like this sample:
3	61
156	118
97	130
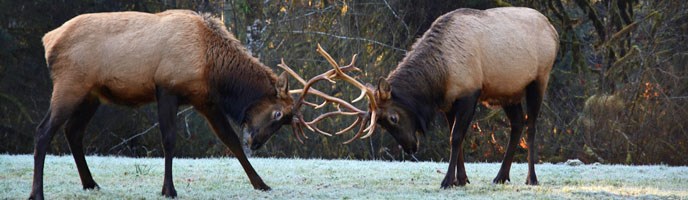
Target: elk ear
282	86
384	91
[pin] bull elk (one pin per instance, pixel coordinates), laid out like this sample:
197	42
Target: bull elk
496	56
174	58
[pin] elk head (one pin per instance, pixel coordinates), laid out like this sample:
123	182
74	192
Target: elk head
265	117
397	118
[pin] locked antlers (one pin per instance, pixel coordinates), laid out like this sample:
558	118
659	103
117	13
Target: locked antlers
343	107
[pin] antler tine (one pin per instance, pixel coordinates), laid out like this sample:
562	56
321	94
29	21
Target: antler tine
325	116
371	128
294	127
353	60
352	126
359	132
364	91
299	120
291	72
330	114
359	113
340	73
304	123
314	105
360	97
316	129
307	85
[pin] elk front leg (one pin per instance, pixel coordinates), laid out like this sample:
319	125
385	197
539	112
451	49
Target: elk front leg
464	109
223	130
461	176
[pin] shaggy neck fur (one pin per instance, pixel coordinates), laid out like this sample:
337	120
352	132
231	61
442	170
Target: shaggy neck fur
237	79
418	82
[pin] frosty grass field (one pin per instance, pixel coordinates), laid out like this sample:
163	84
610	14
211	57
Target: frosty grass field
223	178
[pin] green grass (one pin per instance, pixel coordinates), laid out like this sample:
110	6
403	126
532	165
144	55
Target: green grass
223	178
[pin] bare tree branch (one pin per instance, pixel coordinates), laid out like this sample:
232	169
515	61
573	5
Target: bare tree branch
147	130
349	38
408	32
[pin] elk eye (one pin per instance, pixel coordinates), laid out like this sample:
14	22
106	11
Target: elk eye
394	119
277	115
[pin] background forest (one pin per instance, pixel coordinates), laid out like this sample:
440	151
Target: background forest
618	92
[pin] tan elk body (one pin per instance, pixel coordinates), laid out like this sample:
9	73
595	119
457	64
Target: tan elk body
174	58
498	51
129	53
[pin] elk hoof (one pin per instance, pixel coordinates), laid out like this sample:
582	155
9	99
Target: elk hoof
36	193
448	182
91	186
461	181
169	192
36	196
263	187
531	181
501	179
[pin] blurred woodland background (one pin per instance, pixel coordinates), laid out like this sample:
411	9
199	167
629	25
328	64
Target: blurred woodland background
618	92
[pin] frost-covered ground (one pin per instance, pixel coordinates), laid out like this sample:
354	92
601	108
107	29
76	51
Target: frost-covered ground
223	178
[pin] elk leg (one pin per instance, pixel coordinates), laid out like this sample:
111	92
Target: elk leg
465	108
61	107
223	130
451	116
74	130
534	95
515	115
39	156
461	170
167	113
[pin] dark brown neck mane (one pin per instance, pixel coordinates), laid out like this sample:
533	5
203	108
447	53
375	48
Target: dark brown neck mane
419	90
237	80
418	82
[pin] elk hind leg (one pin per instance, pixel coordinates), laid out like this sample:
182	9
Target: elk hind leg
65	99
74	130
534	95
515	114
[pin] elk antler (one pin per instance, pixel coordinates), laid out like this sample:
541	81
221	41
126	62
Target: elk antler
364	117
299	121
336	73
